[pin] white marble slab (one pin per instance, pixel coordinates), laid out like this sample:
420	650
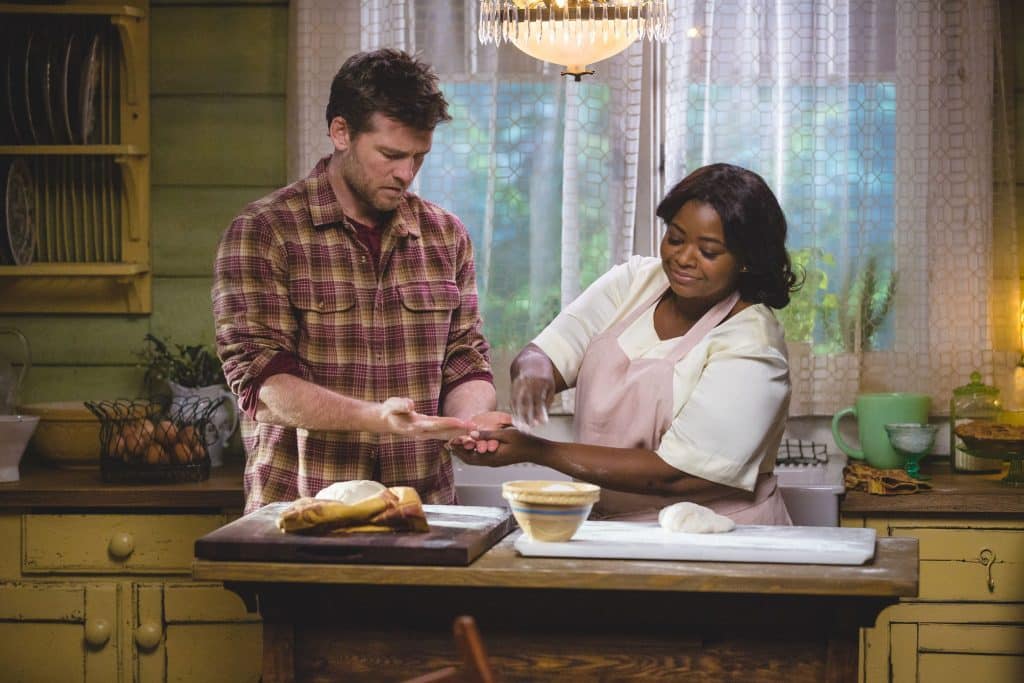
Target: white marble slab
751	543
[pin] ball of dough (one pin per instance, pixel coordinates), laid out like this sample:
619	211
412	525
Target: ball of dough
350	492
694	519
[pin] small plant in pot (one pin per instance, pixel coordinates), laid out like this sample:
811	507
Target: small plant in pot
187	366
192	370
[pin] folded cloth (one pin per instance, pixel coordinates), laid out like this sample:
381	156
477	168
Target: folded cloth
394	509
860	477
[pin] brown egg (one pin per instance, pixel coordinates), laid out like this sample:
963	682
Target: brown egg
189	436
131	435
117	448
181	453
154	454
166	434
147	431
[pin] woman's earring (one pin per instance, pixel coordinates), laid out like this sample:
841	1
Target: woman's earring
744	269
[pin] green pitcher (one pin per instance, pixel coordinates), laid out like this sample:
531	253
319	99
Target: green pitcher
873	412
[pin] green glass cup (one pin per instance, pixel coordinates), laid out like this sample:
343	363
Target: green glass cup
872	412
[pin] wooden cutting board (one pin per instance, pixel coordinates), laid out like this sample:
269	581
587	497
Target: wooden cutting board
753	543
458	535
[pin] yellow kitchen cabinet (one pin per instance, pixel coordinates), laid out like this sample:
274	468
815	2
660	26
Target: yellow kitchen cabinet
96	587
967	622
59	632
90	195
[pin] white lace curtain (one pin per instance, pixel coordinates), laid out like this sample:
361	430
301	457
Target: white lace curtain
541	169
872	120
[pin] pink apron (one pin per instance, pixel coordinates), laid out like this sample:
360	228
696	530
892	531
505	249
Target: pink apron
627	403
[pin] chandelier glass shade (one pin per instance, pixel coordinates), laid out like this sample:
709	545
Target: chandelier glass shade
572	33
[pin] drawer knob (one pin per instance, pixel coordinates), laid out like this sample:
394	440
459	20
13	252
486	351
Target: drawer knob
97	632
147	635
122	544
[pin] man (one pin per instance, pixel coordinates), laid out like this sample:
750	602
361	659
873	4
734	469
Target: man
346	307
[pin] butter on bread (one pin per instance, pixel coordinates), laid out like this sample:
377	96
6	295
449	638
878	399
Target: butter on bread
395	509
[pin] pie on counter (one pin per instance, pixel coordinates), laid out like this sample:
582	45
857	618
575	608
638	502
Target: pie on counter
983	430
991	439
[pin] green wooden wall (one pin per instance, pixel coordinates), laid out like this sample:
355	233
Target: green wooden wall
218	142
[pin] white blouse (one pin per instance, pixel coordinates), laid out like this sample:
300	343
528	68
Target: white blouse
731	391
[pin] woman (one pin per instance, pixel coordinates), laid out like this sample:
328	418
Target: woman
680	366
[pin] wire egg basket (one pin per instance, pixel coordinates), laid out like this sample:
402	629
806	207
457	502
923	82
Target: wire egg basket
155	441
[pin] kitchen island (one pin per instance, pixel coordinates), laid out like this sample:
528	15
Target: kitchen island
570	619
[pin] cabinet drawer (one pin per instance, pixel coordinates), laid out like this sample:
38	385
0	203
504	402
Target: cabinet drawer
112	544
992	639
935	667
969	563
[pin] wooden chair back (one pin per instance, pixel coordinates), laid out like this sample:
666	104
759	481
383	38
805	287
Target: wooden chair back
474	667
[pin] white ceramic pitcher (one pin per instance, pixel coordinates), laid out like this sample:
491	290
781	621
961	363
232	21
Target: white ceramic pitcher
10	378
224	421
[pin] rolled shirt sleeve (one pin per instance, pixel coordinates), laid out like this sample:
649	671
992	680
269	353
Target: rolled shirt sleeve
253	319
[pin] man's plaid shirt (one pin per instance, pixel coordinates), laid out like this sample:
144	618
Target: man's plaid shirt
295	289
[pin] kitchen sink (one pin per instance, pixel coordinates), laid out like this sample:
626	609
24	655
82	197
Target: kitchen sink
811	491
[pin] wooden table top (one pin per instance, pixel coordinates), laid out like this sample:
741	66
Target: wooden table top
50	487
951	494
892	572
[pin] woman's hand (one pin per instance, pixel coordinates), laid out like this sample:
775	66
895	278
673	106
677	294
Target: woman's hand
534	383
510	446
399	417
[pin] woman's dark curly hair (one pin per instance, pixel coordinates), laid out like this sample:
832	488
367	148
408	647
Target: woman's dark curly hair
754	225
391	82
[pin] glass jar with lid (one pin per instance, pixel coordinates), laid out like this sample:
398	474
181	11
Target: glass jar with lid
973	401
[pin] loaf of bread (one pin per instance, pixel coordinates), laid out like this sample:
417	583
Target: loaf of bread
395	509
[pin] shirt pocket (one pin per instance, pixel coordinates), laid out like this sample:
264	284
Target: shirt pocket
430	297
311	296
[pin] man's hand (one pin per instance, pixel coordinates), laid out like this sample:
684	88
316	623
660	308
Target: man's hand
400	418
489	421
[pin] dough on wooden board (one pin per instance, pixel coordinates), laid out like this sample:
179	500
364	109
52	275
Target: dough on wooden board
351	492
694	519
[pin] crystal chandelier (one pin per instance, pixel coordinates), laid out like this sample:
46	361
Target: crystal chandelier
572	33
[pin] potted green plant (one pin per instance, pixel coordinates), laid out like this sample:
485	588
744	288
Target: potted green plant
187	366
193	370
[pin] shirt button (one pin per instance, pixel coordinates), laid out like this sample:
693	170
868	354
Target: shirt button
362	259
320	303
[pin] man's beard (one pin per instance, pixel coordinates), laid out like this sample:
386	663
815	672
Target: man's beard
362	188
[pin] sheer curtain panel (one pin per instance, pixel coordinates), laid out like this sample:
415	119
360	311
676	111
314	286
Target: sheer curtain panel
541	169
873	122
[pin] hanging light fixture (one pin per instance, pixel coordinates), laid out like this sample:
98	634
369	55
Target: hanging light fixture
572	33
